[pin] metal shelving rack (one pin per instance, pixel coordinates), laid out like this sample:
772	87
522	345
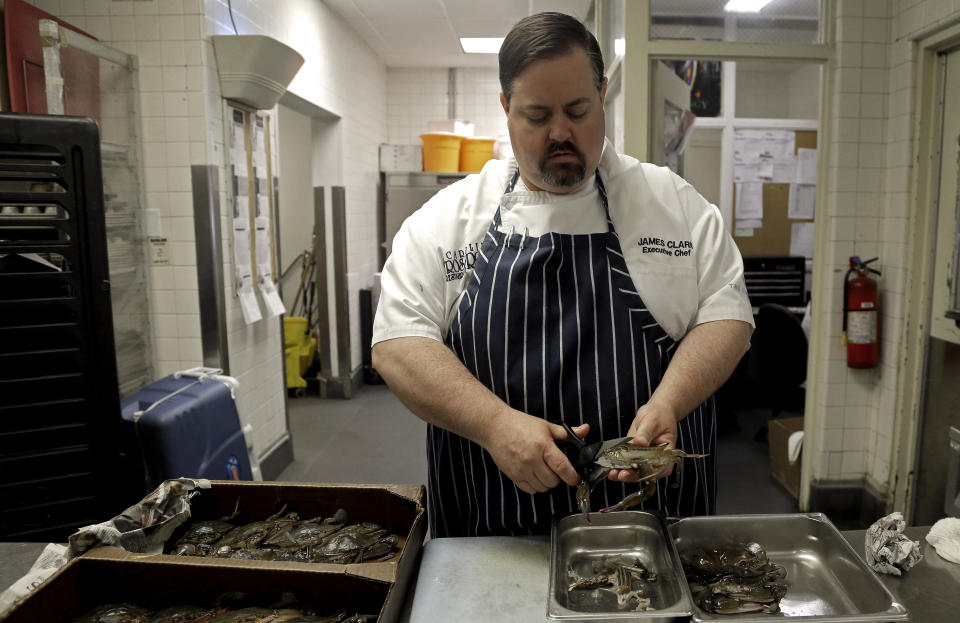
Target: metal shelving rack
60	451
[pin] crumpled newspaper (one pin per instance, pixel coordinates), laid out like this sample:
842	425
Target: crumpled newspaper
145	526
142	528
888	550
944	536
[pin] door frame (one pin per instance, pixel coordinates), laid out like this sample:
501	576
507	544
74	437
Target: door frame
637	83
927	102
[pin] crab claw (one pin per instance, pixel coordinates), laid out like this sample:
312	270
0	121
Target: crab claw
583	501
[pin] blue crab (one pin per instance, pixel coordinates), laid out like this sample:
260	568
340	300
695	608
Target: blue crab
650	462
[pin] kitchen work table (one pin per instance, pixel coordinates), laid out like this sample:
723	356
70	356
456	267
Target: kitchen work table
504	579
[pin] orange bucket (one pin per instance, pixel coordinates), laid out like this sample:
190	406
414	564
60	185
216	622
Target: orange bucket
475	152
441	151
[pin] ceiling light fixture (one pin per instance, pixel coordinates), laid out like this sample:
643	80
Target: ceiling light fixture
481	45
745	6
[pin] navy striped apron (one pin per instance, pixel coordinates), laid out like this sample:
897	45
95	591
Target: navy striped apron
555	327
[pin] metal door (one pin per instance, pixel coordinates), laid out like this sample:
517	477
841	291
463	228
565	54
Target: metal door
941	408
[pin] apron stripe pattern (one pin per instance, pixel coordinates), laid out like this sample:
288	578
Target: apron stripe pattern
554	326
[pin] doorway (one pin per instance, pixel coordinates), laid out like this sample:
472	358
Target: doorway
941	404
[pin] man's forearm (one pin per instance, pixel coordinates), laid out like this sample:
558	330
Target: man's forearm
705	359
430	380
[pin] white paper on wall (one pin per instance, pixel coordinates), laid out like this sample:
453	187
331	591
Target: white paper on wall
758	154
744	171
240	221
801	239
749	201
785	170
806	166
261	217
801	202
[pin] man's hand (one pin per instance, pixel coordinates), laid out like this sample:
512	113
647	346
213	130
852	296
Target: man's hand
706	356
655	424
524	448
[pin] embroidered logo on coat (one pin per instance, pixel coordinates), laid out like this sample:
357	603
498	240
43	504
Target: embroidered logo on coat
676	248
456	262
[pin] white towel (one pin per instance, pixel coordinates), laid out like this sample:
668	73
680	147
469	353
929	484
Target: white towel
794	445
944	536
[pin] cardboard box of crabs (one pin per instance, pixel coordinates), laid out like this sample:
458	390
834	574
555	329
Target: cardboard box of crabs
252	552
90	588
374	531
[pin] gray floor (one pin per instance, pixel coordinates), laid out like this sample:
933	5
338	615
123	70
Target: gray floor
744	482
373	438
370	438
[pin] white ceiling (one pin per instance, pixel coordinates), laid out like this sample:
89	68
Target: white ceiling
425	33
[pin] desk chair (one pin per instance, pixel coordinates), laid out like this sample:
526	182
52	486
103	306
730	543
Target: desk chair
778	361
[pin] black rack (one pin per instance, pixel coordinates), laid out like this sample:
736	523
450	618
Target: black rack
59	402
775	280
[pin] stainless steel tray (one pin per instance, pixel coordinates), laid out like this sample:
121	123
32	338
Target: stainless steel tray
828	581
631	534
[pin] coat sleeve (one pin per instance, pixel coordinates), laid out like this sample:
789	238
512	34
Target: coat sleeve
412	286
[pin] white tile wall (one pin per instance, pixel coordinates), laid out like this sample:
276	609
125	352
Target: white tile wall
869	212
342	75
181	122
156	32
418	96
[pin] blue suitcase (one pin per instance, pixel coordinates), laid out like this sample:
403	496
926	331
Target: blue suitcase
187	425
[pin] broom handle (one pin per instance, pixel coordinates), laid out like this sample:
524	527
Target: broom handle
303	276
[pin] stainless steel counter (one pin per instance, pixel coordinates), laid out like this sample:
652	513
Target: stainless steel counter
505	579
931	590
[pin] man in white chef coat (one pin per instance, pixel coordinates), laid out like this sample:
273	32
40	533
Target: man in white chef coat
569	283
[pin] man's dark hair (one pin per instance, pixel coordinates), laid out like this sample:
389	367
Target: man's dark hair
542	36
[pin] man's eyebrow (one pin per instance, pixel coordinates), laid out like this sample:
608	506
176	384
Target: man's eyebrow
579	100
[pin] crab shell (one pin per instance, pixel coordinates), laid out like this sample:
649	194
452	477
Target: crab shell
116	613
185	614
247	615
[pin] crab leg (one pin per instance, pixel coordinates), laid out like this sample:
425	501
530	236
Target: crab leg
635	498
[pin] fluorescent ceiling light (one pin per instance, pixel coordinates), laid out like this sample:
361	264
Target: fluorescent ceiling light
745	6
481	45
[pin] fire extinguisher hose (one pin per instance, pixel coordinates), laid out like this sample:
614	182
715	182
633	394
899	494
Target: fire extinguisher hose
846	305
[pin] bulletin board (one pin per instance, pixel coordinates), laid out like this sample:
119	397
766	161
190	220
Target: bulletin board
773	239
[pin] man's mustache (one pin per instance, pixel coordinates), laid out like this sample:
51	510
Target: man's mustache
558	147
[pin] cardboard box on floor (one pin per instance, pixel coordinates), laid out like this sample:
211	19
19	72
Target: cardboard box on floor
786	473
382	586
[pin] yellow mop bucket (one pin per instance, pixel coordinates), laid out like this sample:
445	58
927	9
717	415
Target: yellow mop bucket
299	350
474	153
441	151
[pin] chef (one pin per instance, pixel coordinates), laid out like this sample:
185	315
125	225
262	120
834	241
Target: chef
568	283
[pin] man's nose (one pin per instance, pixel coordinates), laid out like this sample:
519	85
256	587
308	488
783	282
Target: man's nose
560	129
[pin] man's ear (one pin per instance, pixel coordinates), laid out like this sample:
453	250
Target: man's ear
505	104
603	92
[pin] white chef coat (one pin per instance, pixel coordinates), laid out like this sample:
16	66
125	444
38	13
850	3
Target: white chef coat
681	258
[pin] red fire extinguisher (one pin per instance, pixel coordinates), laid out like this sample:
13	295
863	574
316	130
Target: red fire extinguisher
861	315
